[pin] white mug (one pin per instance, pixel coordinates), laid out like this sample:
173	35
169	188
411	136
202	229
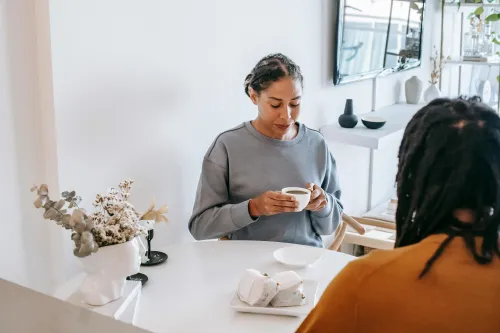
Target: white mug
302	198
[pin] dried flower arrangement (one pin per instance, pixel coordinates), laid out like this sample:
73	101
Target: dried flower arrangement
437	66
114	220
156	215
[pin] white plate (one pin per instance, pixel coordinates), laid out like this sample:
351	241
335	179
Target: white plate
310	289
298	256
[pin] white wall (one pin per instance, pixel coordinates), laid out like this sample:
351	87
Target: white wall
123	88
142	89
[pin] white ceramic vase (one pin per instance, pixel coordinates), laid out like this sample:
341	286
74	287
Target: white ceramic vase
107	270
431	93
413	90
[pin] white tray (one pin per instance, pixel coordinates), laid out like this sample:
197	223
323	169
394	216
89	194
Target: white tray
310	290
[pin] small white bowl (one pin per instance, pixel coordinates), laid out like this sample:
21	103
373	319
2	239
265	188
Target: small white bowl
302	199
373	122
298	256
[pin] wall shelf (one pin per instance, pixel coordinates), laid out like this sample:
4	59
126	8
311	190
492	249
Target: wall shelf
474	63
475	5
397	116
457	61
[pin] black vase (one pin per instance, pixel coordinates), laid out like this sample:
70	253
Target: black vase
348	119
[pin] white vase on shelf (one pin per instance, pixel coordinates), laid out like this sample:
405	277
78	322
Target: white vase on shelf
413	90
431	93
484	91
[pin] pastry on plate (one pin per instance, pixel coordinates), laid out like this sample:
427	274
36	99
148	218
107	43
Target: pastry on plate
256	288
290	290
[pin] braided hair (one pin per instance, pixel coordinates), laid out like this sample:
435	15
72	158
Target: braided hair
270	69
449	159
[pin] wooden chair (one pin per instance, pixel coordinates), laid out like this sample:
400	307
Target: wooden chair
339	233
370	224
342	228
376	223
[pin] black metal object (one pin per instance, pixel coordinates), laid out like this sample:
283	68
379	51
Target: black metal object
143	278
155	257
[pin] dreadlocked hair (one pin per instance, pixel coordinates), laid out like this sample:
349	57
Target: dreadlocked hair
449	159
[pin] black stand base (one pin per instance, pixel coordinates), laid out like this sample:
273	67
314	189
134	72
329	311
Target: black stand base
155	258
143	278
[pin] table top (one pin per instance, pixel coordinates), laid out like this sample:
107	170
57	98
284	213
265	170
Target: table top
191	292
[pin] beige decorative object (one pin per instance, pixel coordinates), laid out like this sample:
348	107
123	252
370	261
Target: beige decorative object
413	90
155	215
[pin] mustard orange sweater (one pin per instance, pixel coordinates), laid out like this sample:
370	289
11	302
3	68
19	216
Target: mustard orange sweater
381	293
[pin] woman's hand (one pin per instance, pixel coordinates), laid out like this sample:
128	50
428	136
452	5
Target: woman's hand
318	198
272	203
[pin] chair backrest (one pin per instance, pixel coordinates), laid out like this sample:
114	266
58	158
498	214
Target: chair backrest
342	228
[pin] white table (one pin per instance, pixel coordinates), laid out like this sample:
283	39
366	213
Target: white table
123	309
192	290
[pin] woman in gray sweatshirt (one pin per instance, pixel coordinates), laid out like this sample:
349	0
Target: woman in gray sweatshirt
245	168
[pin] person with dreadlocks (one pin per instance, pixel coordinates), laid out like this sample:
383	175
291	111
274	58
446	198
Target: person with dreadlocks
444	273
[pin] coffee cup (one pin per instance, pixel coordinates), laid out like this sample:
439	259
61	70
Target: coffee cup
302	195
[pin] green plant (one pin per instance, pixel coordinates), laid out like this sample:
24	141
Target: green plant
459	3
78	221
477	14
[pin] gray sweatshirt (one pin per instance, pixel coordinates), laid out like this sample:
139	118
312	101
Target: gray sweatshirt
242	164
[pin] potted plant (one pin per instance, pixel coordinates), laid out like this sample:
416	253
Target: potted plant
106	240
437	63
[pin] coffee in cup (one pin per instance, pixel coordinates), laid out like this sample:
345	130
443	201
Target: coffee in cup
302	195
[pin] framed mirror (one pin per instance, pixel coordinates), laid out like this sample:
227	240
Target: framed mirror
376	38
